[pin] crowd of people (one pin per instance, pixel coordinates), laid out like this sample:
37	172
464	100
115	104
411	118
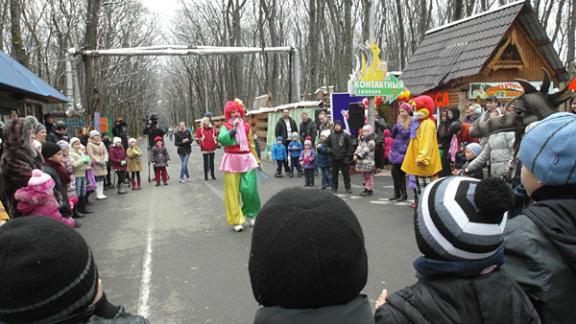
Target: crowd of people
471	245
47	176
479	263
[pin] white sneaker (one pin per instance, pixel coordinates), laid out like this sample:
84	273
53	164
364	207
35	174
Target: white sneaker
251	222
182	180
101	197
238	228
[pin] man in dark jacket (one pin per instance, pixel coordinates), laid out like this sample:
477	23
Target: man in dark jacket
153	130
379	127
47	294
307	128
459	230
285	127
120	129
339	145
59	134
540	244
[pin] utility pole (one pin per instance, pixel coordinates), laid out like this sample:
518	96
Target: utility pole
372	39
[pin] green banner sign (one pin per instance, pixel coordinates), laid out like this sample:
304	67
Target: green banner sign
391	87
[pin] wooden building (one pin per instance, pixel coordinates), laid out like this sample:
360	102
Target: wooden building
263	120
23	92
480	56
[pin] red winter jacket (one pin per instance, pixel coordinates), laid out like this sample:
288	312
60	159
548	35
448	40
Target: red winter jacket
207	139
117	155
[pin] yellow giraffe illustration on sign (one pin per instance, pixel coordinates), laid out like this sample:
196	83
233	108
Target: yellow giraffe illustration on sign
374	69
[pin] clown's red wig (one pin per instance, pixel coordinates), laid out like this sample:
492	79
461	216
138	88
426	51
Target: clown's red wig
232	106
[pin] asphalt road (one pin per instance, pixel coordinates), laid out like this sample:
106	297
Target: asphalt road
167	252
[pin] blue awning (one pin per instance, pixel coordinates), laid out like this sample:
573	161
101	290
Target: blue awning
16	78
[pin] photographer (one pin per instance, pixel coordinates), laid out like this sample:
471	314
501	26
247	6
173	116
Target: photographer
152	130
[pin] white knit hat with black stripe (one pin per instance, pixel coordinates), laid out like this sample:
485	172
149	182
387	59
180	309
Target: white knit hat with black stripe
462	218
47	272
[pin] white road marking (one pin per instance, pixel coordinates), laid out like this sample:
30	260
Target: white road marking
143	308
379	202
215	190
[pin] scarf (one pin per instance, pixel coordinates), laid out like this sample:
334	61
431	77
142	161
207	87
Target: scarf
62	172
468	268
241	138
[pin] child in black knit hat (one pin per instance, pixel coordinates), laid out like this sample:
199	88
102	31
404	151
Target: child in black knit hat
64	289
459	230
308	261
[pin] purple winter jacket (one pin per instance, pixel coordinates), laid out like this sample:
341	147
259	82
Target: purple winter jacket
401	138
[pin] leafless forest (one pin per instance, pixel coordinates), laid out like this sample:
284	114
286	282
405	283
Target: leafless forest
39	32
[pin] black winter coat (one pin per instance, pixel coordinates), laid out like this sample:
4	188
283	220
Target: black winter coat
540	250
340	146
179	137
282	131
56	137
152	133
60	191
485	299
121	130
357	311
308	129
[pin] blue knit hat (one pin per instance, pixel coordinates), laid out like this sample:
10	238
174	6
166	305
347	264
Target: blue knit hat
475	148
547	151
279	139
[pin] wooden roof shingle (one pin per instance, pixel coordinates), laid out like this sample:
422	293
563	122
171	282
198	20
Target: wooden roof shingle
462	48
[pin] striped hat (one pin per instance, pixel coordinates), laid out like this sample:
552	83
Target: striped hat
461	218
547	151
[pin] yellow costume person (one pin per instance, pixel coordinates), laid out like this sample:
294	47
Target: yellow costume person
423	157
239	165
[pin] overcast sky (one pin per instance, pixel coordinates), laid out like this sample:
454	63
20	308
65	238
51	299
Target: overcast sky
165	8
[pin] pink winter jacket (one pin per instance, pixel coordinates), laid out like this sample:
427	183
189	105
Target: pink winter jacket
33	203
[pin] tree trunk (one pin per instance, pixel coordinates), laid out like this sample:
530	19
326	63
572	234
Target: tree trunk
423	26
571	34
3	15
91	42
401	34
457	9
18	50
367	4
313	46
347	48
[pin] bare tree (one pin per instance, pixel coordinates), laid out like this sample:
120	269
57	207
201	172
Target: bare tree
18	50
571	35
90	42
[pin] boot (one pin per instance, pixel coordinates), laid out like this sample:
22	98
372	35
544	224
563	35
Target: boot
121	190
88	203
100	190
205	175
76	214
212	174
82	206
366	193
134	187
403	194
396	195
138	184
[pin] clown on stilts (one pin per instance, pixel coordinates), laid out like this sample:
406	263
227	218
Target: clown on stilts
239	165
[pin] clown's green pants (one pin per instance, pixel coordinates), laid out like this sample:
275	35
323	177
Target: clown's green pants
245	186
